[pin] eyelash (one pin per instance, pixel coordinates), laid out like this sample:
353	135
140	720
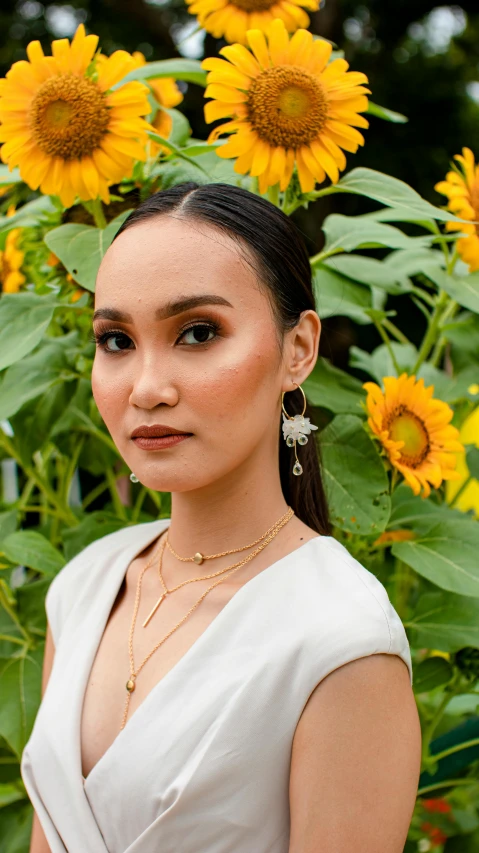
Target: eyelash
103	335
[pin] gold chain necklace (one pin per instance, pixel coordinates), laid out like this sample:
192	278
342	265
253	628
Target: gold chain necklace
213	574
198	558
130	684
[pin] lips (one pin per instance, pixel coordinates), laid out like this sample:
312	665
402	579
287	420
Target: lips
156	431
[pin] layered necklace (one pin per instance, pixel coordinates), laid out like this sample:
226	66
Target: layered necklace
197	558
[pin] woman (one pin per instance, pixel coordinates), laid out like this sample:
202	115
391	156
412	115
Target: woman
190	709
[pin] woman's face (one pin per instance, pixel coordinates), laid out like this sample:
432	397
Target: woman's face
188	341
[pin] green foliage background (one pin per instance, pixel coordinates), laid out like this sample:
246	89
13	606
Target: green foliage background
392	296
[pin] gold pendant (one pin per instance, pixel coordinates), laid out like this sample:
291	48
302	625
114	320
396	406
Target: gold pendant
130	685
154	609
198	558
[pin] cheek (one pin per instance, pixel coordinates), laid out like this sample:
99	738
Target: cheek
108	389
237	388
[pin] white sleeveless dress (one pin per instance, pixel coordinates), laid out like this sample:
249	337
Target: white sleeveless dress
202	766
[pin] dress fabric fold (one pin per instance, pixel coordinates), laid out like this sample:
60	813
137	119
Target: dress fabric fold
202	765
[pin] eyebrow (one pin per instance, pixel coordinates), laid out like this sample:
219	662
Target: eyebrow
170	309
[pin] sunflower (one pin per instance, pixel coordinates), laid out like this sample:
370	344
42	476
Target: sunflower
168	95
11	260
232	18
414	430
469	497
462	189
287	105
63	127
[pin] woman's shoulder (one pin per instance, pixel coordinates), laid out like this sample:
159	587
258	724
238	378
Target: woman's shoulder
70	582
344	607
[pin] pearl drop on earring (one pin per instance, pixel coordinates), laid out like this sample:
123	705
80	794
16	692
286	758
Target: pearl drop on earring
134	478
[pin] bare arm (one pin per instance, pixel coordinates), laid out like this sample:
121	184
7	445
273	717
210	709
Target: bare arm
38	842
355	761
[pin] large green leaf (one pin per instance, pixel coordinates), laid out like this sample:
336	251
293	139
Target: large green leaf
379	363
390	192
24	318
444	621
358	503
30	548
81	248
345	233
16	827
337	295
20	689
431	673
180	69
31	377
333	389
463	288
371	272
446	555
28	214
406	262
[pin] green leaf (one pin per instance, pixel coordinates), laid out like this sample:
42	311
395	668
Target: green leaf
370	272
28	215
379	363
336	295
444	621
29	548
95	525
387	115
463	289
446	555
416	513
181	129
180	69
9	177
390	192
472	460
10	793
20	689
81	248
24	319
406	262
345	233
31	377
332	389
358	503
31	604
431	673
8	523
16	827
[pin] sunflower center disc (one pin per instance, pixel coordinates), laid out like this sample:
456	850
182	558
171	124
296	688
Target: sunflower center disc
287	106
406	426
69	117
254	5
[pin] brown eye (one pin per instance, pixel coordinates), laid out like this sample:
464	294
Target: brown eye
200	333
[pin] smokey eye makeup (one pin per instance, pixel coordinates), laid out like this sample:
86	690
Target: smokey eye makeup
194	333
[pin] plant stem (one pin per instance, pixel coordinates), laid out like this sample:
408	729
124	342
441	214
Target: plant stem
111	477
98	213
461	490
388	345
446	783
395	331
453	749
433	330
273	194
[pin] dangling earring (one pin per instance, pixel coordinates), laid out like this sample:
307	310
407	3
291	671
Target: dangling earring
296	428
134	478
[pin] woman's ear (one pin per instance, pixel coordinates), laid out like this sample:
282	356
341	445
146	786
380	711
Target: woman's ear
302	347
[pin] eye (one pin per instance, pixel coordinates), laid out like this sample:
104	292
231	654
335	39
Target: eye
101	339
198	333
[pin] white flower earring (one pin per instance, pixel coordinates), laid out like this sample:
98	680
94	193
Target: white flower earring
134	478
296	429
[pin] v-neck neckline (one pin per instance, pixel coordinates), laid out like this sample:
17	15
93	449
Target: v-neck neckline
122	566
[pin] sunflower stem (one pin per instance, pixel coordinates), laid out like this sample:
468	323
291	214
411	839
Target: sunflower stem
433	330
390	327
460	491
98	213
273	194
388	345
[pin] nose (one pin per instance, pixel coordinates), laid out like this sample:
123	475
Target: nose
150	388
